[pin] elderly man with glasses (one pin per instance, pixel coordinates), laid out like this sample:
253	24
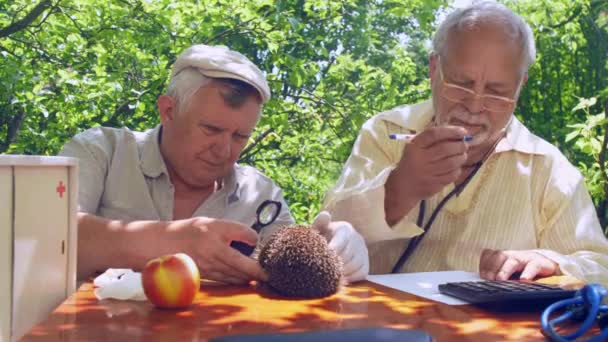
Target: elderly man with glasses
458	182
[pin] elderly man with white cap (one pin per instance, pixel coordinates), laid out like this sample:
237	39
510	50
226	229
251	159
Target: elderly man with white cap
178	188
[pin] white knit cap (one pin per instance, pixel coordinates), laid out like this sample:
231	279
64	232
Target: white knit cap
221	62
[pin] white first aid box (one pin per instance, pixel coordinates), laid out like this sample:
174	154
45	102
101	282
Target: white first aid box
38	204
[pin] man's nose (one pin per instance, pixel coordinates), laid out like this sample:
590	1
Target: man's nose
475	104
222	146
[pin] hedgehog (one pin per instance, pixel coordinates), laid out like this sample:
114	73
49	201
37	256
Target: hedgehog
300	263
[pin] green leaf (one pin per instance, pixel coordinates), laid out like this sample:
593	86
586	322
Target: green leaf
584	103
572	135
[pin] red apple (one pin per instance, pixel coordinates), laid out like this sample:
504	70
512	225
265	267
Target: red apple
171	281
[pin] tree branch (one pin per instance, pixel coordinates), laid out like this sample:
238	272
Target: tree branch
233	30
9	52
602	161
322	102
42	53
52	10
255	143
27	20
124	109
571	17
598	4
13	129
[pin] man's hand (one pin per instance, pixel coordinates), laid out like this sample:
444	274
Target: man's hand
501	265
431	160
208	240
348	245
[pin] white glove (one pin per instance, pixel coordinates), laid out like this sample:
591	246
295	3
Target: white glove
348	245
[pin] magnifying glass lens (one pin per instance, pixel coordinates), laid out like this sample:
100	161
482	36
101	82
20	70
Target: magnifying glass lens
268	213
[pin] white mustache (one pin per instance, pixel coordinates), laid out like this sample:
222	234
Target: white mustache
468	119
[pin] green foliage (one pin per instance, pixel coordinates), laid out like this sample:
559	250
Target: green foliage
569	83
331	65
588	138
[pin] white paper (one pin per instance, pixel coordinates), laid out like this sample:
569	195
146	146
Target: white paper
424	284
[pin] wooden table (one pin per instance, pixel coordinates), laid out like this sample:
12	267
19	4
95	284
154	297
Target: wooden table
221	310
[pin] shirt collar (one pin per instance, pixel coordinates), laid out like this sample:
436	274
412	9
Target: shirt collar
519	138
150	158
230	185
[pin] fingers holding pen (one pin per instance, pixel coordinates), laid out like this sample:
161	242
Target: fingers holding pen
431	159
440	134
438	143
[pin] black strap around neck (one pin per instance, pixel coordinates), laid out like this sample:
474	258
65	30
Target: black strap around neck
413	243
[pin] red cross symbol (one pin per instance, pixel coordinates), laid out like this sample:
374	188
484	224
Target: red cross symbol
60	189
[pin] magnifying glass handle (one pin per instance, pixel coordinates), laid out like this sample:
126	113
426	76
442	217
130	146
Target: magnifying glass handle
242	247
258	226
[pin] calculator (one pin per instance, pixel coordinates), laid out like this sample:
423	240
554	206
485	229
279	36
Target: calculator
505	292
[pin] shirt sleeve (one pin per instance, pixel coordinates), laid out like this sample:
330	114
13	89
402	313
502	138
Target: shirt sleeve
93	153
358	196
573	237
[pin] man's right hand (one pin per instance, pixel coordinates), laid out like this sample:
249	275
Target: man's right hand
207	241
431	160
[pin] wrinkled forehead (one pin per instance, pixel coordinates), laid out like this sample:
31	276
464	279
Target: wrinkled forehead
484	48
484	35
210	105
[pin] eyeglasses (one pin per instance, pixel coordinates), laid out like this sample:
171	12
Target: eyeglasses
492	103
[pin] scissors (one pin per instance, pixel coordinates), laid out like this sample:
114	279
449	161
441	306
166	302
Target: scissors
266	214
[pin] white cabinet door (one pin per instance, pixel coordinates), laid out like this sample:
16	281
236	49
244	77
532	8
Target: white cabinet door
40	245
6	250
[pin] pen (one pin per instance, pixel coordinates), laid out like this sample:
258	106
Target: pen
407	137
401	136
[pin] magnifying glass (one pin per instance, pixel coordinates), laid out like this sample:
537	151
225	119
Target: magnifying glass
266	214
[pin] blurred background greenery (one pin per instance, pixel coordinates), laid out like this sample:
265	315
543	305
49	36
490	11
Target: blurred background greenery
67	65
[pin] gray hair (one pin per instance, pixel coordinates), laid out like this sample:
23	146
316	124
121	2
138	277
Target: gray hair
188	81
183	86
483	12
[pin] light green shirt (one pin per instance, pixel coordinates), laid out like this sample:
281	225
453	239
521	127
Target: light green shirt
123	176
525	196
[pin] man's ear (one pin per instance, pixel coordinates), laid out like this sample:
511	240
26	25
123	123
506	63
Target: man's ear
166	108
432	65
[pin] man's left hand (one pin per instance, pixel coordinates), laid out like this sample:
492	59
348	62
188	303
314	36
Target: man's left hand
348	245
501	265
